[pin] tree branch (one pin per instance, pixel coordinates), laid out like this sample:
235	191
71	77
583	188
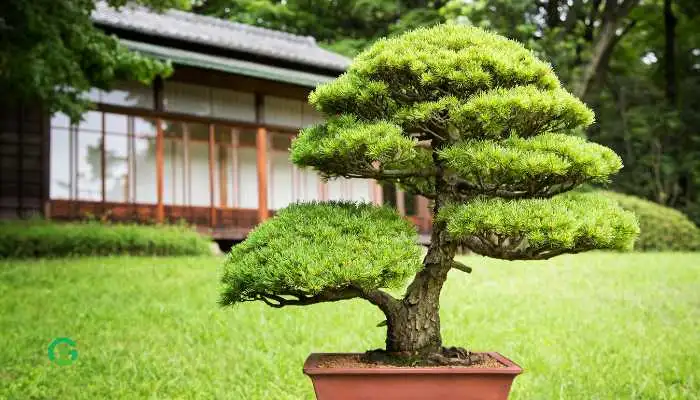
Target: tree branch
516	248
542	189
381	299
380	174
278	301
464	268
613	14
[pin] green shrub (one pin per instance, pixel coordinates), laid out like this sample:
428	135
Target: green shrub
662	228
38	238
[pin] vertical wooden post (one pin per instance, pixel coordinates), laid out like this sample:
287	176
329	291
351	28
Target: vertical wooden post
261	146
234	166
160	211
424	213
401	202
46	162
74	166
322	190
223	159
377	193
186	189
212	197
103	160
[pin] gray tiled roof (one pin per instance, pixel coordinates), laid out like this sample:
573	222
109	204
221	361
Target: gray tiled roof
199	29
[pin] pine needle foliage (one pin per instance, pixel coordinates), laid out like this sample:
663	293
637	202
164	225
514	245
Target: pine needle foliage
541	228
310	249
472	121
525	165
344	146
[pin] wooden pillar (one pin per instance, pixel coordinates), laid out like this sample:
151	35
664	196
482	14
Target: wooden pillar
377	192
46	162
160	210
212	197
20	160
261	146
103	161
223	158
424	213
322	190
401	202
235	167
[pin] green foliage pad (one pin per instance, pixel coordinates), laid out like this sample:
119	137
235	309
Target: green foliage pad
311	249
537	228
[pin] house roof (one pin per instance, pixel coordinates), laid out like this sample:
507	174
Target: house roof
218	33
230	65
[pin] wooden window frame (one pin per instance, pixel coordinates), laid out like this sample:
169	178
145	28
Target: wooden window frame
157	115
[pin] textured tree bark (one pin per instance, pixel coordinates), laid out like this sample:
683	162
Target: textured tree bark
413	324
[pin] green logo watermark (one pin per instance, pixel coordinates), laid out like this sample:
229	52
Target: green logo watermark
62	351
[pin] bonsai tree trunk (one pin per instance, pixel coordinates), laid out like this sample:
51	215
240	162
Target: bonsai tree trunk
413	324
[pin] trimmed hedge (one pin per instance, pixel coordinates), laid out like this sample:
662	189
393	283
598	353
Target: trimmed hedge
662	228
39	238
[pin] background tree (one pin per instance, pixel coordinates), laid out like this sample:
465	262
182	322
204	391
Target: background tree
469	119
648	106
346	26
51	53
578	36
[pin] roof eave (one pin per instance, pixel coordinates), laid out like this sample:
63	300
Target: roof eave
234	66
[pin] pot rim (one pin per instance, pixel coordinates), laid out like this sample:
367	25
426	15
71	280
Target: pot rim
311	368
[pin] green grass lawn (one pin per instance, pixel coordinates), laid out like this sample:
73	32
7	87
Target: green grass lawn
594	326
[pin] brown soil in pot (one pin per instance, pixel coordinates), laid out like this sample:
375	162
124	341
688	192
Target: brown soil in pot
448	358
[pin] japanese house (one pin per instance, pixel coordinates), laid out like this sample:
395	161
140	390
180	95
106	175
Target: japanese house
209	145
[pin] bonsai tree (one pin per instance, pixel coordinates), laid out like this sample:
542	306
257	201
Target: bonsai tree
470	120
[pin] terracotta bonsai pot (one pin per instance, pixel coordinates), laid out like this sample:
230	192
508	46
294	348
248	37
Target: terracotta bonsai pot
410	383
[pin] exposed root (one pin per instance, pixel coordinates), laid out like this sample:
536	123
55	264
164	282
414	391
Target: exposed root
447	356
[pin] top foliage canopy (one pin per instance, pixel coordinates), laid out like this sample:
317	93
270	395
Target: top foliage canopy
445	86
467	118
472	109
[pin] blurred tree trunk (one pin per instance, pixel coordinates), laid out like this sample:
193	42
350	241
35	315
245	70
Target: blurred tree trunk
670	22
608	35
